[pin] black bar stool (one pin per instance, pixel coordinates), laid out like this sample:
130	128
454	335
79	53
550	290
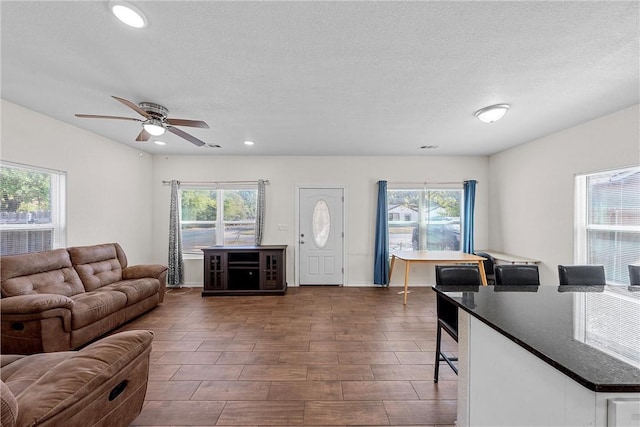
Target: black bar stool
447	313
581	275
517	274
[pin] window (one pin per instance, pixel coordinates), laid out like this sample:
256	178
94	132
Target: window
424	219
32	205
215	216
608	221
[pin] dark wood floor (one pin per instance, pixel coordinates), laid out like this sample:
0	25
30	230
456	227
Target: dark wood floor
316	356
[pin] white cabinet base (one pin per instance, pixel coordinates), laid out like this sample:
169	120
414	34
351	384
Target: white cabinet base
502	384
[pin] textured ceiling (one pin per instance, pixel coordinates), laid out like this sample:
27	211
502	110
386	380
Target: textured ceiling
327	78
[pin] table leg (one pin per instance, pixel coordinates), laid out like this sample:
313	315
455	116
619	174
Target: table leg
406	281
393	261
483	275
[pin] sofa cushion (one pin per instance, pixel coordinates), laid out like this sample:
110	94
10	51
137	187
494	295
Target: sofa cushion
90	307
135	290
48	272
98	265
8	406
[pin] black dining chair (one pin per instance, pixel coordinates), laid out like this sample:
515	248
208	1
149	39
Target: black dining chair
489	266
581	275
451	276
517	274
634	275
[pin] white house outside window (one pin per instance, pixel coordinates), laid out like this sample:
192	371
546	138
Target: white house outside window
219	215
424	219
32	214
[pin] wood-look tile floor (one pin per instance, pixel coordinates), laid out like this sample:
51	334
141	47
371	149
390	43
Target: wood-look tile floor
317	356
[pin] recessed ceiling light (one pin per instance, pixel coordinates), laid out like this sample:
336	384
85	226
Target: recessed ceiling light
492	113
128	14
159	142
427	147
249	143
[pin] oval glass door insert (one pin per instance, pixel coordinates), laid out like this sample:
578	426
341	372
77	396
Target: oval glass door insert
321	223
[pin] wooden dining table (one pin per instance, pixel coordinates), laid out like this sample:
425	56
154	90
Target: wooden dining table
434	257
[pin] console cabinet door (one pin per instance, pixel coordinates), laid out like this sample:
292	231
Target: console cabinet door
272	269
215	270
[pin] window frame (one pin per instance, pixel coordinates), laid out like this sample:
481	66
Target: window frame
220	223
583	226
57	205
422	221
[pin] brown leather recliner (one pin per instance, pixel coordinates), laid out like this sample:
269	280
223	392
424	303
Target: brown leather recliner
103	384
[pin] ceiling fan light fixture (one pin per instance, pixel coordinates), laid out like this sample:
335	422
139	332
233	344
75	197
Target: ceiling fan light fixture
128	14
492	113
154	127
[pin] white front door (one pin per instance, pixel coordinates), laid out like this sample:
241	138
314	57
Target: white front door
321	236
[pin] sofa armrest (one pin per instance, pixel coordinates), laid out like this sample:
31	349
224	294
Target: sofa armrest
80	375
34	303
142	271
156	271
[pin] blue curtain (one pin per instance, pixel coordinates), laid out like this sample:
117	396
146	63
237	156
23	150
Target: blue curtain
469	206
381	264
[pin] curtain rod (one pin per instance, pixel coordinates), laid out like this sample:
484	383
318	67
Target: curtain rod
427	183
266	181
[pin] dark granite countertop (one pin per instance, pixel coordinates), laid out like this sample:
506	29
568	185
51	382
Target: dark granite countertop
590	334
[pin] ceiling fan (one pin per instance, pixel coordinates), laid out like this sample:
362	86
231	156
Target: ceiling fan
155	121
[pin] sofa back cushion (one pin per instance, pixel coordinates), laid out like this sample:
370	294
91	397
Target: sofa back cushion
47	272
98	265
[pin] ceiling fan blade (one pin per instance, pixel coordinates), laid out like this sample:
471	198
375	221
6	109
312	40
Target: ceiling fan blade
143	136
190	123
186	136
97	116
133	106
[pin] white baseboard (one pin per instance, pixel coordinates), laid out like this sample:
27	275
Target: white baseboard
350	285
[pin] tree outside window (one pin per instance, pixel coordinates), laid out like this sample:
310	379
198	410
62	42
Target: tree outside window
31	206
206	222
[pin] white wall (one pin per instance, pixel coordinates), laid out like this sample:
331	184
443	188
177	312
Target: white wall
531	187
524	201
358	175
108	184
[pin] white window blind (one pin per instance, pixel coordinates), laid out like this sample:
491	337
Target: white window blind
608	221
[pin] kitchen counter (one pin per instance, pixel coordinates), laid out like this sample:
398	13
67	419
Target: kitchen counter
590	335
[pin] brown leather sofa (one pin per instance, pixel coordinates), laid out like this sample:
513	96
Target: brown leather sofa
61	299
103	384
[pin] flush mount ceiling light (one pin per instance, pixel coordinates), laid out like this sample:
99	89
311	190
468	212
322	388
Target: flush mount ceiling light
492	113
154	127
128	14
159	142
249	143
